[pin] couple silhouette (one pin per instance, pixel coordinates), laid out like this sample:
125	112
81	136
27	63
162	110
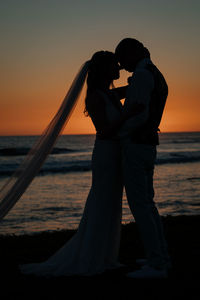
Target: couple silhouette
124	155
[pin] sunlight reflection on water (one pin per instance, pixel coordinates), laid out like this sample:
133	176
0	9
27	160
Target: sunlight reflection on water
57	201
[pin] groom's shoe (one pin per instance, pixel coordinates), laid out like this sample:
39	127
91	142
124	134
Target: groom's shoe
148	272
143	261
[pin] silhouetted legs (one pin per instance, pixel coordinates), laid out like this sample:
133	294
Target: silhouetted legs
138	167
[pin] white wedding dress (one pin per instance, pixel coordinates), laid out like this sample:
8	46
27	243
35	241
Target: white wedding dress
94	247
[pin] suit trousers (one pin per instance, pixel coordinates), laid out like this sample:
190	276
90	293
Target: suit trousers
138	168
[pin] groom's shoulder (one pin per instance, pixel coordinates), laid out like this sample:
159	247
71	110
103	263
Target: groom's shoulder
143	74
143	70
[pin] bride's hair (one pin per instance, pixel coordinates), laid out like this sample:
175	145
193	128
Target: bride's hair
98	73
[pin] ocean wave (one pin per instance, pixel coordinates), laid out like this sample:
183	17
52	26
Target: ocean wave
55	209
186	141
24	151
62	167
179	157
54	168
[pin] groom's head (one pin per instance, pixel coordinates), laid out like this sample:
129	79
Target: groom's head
129	52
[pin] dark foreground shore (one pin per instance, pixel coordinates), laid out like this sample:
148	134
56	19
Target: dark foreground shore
182	234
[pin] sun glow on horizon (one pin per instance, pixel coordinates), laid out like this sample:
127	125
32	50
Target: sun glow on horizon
44	46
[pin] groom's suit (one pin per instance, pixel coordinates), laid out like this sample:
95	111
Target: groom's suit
139	137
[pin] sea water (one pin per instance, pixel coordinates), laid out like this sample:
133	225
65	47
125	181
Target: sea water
56	197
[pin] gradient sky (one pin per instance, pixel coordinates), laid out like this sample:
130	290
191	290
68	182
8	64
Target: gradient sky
44	43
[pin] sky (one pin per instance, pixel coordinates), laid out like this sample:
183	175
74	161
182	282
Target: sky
45	42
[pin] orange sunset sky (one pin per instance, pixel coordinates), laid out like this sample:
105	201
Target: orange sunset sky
44	43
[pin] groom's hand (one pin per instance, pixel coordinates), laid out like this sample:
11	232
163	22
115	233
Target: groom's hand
129	80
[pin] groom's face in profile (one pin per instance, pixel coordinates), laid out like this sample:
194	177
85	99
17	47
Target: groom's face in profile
128	63
128	60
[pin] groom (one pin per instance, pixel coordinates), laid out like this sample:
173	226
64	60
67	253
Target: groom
139	137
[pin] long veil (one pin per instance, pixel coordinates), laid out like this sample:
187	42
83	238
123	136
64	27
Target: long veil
13	189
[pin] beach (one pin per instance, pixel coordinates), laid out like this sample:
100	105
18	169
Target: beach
182	234
49	212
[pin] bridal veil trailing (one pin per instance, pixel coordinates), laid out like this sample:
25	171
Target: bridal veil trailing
13	189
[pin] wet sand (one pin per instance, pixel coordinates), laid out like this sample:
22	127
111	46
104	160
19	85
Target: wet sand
182	234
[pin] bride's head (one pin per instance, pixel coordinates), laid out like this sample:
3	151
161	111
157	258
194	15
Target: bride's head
103	69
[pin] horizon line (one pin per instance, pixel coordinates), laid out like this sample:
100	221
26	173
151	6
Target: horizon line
7	135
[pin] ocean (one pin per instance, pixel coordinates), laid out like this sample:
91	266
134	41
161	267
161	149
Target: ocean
55	199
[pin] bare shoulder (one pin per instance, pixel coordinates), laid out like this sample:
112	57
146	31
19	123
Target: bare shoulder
95	100
95	96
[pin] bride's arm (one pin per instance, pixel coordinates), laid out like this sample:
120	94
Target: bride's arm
97	112
109	129
120	91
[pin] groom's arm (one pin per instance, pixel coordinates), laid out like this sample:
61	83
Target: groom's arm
108	130
139	92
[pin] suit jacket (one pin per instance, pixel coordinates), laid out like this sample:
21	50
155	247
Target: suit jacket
147	86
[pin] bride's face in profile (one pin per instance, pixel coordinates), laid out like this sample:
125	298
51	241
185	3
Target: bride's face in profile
113	70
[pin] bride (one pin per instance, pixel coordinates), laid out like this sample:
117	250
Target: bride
94	247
